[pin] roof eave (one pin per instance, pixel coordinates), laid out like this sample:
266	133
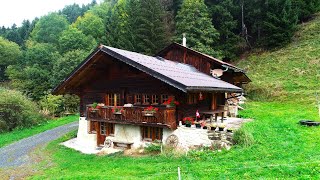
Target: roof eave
211	89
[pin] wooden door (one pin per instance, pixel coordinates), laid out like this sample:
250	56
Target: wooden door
101	133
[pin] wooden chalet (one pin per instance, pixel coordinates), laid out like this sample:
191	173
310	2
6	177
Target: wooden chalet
131	81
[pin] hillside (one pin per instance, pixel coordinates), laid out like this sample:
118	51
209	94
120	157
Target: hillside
291	73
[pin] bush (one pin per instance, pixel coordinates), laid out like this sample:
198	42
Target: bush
153	147
71	103
52	104
57	105
16	111
243	137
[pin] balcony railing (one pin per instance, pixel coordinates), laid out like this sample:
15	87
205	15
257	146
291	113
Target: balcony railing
164	117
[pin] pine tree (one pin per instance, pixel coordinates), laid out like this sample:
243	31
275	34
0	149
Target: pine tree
13	35
117	26
150	26
305	8
226	24
280	23
193	19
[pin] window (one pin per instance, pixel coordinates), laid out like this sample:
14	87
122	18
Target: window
137	99
151	133
192	98
154	99
164	98
113	100
146	99
118	100
106	129
103	129
110	99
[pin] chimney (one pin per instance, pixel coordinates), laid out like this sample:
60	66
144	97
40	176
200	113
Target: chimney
184	40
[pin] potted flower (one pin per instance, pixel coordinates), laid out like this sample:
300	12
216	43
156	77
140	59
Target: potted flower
230	130
171	103
213	126
150	111
94	107
203	124
117	110
188	121
221	127
198	125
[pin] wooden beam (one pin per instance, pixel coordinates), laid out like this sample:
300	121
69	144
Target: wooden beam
214	101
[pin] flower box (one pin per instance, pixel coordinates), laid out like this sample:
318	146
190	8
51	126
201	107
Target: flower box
117	110
117	113
148	113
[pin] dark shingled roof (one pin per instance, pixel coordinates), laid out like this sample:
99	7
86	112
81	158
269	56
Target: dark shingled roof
182	76
185	74
213	59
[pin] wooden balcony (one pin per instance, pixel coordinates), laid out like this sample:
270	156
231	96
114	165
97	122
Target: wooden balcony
164	117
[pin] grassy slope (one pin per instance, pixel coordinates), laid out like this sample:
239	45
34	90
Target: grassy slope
7	138
292	72
282	149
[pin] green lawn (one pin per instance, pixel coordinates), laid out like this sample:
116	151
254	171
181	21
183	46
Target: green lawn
282	149
10	137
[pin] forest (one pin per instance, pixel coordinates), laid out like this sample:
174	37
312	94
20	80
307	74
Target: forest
39	54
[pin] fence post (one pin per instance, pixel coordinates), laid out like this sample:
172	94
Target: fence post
179	176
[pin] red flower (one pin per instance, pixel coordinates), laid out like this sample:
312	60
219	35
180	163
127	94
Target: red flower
188	120
151	108
171	102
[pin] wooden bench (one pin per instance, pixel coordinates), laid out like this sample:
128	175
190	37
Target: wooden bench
128	144
215	113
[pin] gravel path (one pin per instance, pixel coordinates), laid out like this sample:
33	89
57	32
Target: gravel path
19	153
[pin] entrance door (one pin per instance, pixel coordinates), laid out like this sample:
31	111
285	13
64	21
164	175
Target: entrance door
102	133
113	99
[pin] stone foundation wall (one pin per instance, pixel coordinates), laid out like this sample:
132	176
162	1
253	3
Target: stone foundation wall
187	137
195	137
221	139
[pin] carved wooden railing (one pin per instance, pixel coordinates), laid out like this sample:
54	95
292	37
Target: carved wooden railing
134	115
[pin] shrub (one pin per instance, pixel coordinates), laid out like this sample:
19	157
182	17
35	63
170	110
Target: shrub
57	105
53	104
243	137
71	103
153	147
16	111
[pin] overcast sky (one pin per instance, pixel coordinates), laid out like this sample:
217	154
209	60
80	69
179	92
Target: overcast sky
15	11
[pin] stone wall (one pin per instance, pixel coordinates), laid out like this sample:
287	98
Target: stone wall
195	137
